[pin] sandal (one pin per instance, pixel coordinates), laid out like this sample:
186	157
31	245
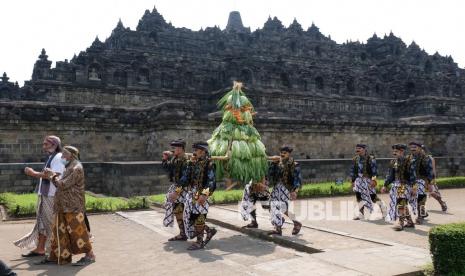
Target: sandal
409	224
210	235
253	224
32	254
195	246
297	227
444	206
178	238
84	261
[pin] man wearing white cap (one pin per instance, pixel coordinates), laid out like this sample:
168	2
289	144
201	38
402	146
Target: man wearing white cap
42	233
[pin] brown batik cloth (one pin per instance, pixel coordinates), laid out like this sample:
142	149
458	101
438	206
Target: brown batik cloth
70	237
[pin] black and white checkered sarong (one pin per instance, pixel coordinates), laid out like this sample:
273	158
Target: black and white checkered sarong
168	220
362	186
192	208
279	204
249	198
394	195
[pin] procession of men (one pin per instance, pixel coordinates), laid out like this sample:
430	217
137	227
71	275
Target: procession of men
409	179
274	181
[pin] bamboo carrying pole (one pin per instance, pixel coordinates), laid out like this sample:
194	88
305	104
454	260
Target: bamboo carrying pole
58	240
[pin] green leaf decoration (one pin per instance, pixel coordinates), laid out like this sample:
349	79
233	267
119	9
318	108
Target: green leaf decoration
237	134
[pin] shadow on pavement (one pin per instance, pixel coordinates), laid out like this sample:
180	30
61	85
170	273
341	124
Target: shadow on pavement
239	244
51	269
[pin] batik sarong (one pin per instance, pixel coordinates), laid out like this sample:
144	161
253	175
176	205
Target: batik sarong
43	225
250	198
279	204
194	213
400	191
362	185
70	237
170	206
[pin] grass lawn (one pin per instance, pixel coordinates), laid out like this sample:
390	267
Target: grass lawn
24	204
312	190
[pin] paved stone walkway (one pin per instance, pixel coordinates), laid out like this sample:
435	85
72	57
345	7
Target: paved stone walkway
136	243
333	213
367	255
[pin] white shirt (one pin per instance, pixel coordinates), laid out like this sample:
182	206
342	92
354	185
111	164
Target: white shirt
57	167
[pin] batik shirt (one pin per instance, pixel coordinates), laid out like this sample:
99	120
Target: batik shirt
365	165
286	172
399	170
422	166
70	193
199	175
175	167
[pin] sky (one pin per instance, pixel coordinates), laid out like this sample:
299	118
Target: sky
66	27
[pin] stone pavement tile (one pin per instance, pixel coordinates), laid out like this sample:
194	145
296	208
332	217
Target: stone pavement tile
349	252
271	260
306	265
276	264
124	247
229	247
310	237
388	260
336	220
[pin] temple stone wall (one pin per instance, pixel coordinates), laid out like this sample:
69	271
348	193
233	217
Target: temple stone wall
24	143
316	141
129	136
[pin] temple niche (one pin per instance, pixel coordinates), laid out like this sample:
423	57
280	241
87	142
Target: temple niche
319	83
166	80
143	76
160	61
94	72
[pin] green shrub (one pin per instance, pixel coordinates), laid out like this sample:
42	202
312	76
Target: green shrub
449	182
105	204
223	197
311	190
24	204
139	202
447	246
18	205
324	189
428	269
160	198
